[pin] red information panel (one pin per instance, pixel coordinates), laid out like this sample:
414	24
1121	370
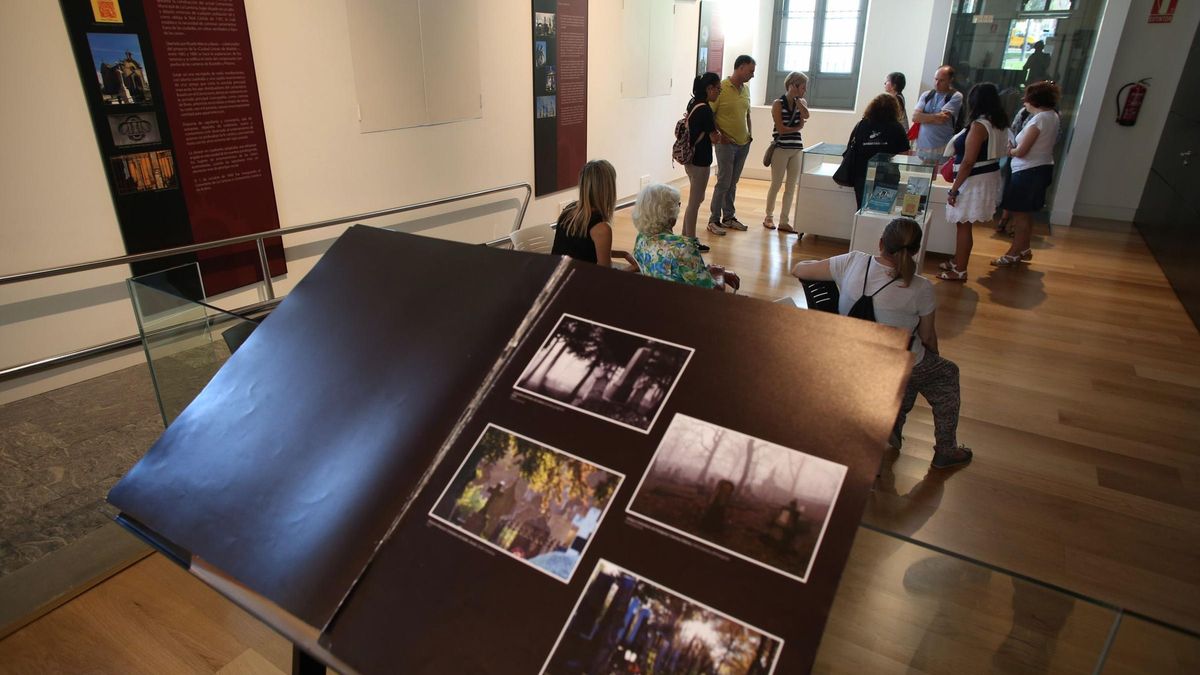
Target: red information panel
174	101
559	93
710	50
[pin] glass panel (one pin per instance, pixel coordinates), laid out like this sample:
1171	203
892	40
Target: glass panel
1143	647
796	35
1068	38
901	608
839	36
796	57
185	340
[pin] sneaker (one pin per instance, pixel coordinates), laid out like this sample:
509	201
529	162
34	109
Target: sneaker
959	455
703	248
733	224
715	228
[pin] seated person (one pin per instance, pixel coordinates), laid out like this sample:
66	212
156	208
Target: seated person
904	299
584	230
663	254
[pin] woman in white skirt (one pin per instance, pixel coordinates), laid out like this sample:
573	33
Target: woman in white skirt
976	189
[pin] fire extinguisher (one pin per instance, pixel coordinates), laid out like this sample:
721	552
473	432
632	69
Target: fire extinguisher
1127	114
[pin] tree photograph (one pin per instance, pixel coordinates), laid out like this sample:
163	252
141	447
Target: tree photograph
605	372
535	503
624	623
745	496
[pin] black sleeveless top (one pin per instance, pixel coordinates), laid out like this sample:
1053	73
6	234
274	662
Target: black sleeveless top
579	248
790	117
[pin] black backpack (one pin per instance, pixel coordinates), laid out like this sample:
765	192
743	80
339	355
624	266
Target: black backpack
864	307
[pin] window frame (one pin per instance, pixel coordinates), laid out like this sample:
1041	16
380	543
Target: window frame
825	90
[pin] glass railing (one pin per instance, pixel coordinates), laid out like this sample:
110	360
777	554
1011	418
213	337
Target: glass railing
185	339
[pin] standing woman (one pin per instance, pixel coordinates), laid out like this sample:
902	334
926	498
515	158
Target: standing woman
702	133
878	131
1032	169
584	231
789	111
976	189
894	85
904	299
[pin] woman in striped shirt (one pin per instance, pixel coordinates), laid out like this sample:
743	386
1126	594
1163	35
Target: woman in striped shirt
790	111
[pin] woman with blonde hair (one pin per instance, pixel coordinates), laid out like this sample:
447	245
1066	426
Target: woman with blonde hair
789	112
584	230
662	254
902	298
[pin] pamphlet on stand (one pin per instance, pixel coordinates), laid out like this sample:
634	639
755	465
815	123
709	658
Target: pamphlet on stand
447	458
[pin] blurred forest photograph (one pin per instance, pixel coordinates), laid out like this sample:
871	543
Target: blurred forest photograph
605	372
748	497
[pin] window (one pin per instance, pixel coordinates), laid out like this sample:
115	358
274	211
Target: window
823	39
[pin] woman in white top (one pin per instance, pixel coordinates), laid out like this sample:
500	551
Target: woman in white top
904	299
976	189
1032	154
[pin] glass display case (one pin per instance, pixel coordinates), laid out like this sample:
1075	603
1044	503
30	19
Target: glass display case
823	207
822	159
898	185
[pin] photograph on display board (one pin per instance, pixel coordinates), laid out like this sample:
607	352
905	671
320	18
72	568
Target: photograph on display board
144	172
533	502
543	24
545	106
745	496
548	79
134	129
540	55
625	623
107	11
605	372
120	72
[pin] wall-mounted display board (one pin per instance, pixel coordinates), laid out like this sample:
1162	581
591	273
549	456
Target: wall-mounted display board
559	93
586	479
416	62
171	88
710	42
648	27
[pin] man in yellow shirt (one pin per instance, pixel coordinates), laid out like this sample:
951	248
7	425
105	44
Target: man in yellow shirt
731	111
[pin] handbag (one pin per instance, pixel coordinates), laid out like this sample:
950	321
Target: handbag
844	175
769	154
914	131
947	170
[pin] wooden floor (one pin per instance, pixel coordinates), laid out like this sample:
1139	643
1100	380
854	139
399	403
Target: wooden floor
1081	387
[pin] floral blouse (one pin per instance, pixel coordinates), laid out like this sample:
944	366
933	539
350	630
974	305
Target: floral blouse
673	257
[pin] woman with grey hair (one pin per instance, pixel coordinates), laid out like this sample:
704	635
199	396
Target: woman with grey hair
662	254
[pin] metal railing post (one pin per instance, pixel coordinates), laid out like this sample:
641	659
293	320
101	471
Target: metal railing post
266	268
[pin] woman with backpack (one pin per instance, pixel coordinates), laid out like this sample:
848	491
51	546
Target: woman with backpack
701	134
888	289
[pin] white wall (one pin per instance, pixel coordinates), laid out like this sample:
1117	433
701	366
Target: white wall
56	208
1120	157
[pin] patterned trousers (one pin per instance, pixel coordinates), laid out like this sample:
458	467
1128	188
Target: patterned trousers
936	379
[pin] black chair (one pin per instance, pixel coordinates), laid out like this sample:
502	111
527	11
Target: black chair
821	295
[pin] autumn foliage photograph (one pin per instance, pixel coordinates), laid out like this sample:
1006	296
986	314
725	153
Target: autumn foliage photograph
748	497
605	372
533	502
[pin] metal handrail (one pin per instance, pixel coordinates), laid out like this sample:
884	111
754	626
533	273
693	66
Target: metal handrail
259	236
47	363
504	240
